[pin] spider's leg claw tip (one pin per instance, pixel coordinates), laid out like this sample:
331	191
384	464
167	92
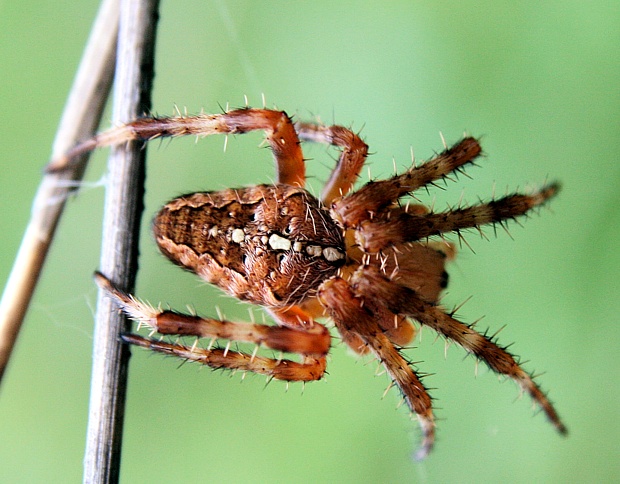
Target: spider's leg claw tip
421	454
129	338
102	281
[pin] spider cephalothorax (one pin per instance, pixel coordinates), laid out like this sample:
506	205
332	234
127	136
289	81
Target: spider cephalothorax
365	259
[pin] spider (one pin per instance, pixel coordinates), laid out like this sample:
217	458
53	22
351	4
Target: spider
364	259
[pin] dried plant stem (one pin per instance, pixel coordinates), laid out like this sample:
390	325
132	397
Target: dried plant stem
123	207
79	121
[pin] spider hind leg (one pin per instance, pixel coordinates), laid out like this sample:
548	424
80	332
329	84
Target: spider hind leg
312	344
309	369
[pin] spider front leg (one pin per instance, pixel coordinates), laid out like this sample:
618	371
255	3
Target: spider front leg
278	127
361	318
312	343
403	300
404	227
376	196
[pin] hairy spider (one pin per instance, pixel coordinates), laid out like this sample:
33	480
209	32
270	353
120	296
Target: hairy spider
369	263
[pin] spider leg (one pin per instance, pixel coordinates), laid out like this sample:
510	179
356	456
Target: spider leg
362	319
312	344
309	369
376	196
403	300
405	227
279	129
350	163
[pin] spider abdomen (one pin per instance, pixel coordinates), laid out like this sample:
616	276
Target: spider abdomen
266	244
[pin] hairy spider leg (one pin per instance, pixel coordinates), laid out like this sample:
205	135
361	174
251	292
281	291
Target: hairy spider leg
362	318
310	369
281	135
352	157
375	196
407	227
402	300
311	343
278	127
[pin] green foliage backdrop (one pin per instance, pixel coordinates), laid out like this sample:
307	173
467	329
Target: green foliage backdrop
539	81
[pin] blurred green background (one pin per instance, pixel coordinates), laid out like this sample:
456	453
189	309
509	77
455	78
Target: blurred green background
539	81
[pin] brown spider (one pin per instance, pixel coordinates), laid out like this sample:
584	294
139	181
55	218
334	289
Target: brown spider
362	259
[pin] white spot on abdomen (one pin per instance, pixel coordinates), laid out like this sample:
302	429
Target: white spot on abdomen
332	254
238	235
314	250
277	242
